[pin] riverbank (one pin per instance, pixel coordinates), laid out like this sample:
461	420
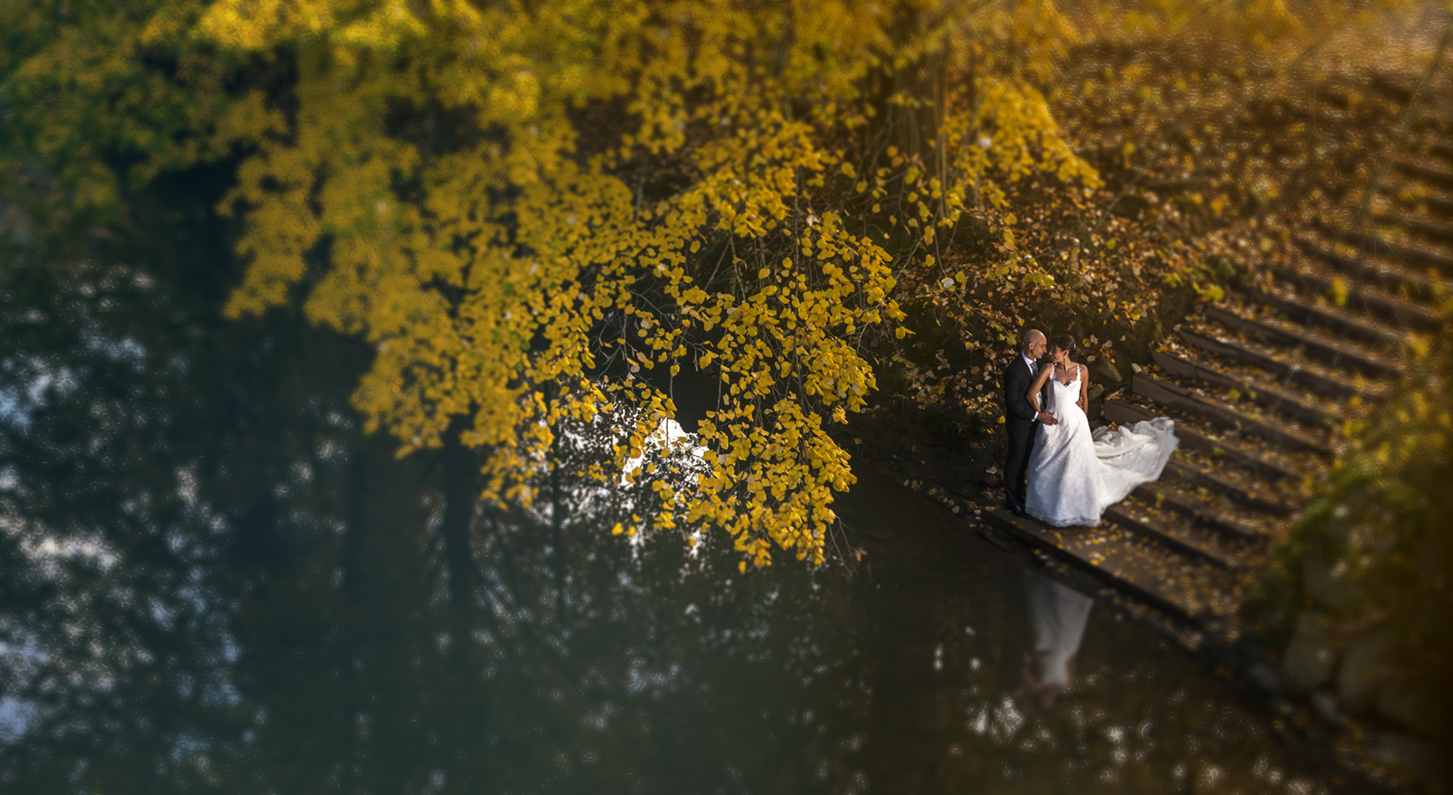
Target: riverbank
1358	595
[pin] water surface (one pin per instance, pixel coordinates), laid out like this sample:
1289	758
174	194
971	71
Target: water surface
212	581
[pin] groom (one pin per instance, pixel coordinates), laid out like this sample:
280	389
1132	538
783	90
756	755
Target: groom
1020	417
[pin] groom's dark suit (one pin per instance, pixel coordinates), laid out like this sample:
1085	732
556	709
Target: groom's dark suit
1019	416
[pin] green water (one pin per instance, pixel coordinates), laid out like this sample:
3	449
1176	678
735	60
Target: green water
212	581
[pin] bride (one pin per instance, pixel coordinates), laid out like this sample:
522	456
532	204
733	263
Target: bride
1075	475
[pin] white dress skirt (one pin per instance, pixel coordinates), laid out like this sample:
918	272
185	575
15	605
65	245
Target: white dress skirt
1075	475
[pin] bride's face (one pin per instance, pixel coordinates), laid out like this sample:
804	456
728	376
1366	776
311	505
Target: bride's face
1056	355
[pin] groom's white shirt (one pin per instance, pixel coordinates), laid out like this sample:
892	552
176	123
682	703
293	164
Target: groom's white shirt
1033	373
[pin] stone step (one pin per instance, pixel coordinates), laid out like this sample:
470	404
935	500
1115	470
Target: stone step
1442	149
1421	171
1408	194
1413	256
1291	370
1399	89
1185	586
1391	87
1167	496
1330	317
1124	412
1332	351
1372	288
1436	204
1435	121
1267	522
1428	230
1340	95
1176	396
1175	532
1201	477
1267	396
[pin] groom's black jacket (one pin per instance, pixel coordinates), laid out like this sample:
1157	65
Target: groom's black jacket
1017	380
1019	416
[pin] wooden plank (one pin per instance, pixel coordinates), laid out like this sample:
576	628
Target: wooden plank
1114	566
1330	350
1120	411
1338	320
1168	394
1268	397
1237	352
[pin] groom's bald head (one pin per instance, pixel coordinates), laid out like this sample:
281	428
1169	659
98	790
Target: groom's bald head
1034	343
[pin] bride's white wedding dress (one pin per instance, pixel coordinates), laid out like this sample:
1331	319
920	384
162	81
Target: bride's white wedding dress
1075	475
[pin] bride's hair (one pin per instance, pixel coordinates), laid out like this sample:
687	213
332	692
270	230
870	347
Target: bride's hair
1066	343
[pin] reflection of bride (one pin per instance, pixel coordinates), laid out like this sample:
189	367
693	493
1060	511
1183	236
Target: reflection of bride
1057	617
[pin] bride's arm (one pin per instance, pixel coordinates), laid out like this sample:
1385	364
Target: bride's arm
1034	389
1084	389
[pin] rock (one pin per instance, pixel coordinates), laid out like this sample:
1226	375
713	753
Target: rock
1265	677
1325	583
1366	665
1408	755
1310	657
1409	709
1096	390
1104	370
1326	706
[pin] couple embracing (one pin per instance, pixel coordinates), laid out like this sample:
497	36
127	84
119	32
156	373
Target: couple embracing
1057	470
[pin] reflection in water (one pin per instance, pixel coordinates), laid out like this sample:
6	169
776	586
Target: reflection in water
1057	616
212	581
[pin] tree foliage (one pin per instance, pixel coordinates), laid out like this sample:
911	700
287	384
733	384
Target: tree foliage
541	214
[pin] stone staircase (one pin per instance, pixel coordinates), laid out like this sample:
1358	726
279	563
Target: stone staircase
1261	387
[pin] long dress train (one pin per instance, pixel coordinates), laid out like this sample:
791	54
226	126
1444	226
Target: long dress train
1075	475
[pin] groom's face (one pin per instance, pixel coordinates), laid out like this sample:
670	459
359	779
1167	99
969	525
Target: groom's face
1035	349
